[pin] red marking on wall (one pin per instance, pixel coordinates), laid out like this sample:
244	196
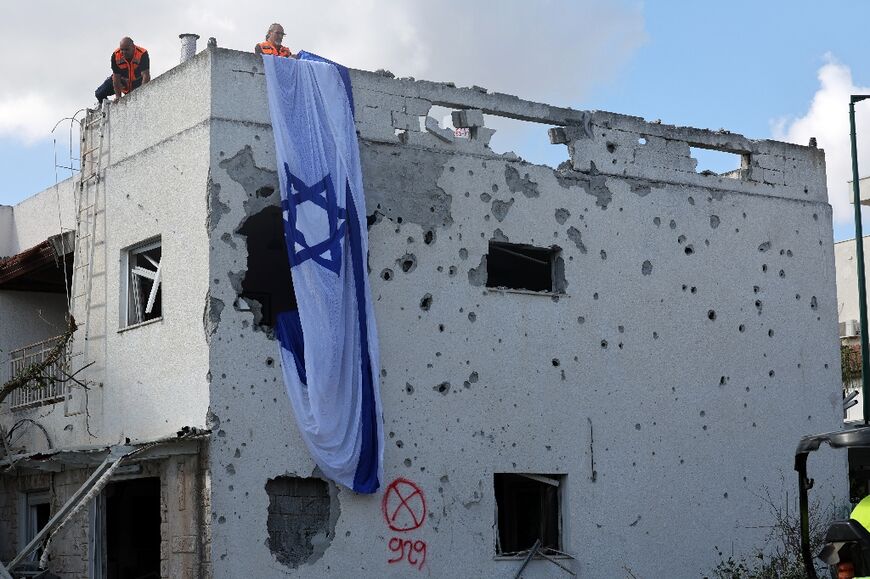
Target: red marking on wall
404	506
414	552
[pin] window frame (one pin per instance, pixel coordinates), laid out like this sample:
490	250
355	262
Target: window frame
28	518
127	317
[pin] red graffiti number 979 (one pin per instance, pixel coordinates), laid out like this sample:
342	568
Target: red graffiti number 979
416	551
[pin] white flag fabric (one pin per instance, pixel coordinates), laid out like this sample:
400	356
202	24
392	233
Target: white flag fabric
329	347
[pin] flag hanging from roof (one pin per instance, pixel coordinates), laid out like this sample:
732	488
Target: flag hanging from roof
329	347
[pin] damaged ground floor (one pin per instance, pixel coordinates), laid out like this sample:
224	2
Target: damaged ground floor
141	510
129	511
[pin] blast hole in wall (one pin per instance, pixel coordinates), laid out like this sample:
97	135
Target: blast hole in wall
718	162
526	139
299	522
267	279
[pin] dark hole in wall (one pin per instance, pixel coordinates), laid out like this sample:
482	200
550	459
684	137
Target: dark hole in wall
515	266
299	523
267	280
133	529
528	509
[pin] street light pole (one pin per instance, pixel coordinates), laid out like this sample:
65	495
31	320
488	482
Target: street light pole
859	255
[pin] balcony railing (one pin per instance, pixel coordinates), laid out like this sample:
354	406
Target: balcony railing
51	388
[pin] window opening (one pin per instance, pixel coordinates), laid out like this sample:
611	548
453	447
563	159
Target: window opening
37	512
716	162
527	509
515	266
527	139
132	529
144	300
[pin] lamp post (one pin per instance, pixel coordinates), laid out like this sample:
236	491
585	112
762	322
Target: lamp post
859	254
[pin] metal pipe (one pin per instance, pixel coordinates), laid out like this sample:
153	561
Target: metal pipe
188	46
528	558
804	484
859	255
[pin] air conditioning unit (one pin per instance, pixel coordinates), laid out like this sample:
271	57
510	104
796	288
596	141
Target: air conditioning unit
850	329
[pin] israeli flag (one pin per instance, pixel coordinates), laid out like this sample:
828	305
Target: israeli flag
329	347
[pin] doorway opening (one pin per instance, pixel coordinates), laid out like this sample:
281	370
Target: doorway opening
132	529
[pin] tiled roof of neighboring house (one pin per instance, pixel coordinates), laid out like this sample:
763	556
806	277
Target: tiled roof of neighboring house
39	268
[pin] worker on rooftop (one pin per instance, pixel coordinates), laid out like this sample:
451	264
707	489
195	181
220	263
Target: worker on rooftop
131	68
272	45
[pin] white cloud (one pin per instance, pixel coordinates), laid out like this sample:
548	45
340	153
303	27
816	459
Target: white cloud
26	115
58	51
828	120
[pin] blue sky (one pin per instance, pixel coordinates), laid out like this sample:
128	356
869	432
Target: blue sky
750	67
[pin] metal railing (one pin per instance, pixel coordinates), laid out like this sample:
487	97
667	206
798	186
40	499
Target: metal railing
38	392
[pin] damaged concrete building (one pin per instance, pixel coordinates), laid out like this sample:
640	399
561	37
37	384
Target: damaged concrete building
615	358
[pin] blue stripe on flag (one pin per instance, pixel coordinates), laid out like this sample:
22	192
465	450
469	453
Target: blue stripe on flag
342	71
290	337
366	478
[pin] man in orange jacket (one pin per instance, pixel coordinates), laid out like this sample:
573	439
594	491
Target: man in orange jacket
274	37
131	68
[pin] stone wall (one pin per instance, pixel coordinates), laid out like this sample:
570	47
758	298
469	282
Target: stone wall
184	513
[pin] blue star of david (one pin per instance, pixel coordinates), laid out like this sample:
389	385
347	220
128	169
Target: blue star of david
321	194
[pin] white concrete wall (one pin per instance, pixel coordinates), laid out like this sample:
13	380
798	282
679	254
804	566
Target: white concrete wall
847	278
47	213
155	374
716	360
7	231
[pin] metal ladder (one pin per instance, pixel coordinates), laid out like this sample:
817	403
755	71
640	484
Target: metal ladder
88	206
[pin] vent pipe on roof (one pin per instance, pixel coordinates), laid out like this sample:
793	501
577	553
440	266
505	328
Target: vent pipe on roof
188	46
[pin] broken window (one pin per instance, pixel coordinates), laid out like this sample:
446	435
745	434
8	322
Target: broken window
37	511
142	298
527	509
299	519
525	267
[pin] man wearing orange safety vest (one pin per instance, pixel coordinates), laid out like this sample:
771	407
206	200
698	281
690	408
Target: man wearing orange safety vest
272	45
130	67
